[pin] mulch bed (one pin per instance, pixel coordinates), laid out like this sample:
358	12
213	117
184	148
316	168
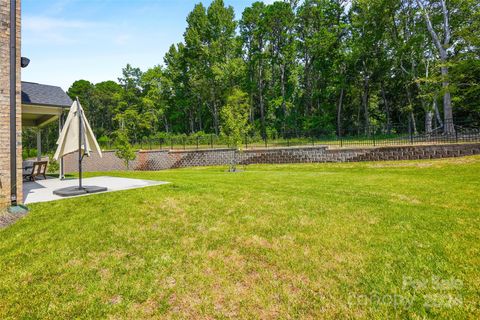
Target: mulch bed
7	219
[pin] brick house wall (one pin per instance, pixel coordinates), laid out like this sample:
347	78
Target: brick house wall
164	159
5	104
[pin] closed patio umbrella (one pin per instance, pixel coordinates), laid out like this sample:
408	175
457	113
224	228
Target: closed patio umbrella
77	136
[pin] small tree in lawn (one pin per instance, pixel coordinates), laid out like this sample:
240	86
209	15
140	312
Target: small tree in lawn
234	116
124	150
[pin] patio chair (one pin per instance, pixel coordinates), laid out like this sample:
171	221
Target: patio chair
38	168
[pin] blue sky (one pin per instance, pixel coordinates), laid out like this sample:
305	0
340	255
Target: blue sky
68	40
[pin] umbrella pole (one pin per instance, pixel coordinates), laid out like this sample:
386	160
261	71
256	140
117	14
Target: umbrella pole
79	145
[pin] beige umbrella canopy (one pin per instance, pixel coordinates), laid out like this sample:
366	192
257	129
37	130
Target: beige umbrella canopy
77	136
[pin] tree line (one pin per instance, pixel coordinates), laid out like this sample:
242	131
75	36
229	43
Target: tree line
317	66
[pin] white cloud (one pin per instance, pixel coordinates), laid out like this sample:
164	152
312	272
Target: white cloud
122	39
38	29
43	24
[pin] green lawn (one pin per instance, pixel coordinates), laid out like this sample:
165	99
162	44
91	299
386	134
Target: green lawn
369	240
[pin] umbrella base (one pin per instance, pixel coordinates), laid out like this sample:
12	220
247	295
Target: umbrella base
76	191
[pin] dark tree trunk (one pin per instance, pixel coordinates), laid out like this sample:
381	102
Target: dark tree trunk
414	123
284	104
437	112
215	118
442	48
428	122
260	97
365	98
191	121
411	114
214	110
387	108
339	112
449	128
252	105
199	115
167	128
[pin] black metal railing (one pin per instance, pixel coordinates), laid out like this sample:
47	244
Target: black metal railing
370	136
353	137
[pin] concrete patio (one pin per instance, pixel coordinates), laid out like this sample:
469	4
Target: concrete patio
42	190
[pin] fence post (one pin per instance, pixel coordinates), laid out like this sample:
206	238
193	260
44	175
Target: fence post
410	130
197	141
266	144
211	141
184	143
161	147
246	142
456	134
373	136
171	143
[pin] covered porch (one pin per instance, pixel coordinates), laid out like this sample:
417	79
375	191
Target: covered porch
42	105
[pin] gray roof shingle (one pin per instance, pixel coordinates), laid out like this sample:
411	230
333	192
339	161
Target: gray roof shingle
41	94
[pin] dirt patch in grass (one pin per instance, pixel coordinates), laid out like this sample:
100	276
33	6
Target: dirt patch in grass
402	165
406	199
425	163
7	218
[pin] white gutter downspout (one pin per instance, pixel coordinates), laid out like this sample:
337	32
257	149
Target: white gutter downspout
13	102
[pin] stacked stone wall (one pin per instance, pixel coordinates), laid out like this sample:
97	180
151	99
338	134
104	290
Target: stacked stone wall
163	159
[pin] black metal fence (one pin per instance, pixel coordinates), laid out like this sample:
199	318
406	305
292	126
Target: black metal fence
370	136
358	137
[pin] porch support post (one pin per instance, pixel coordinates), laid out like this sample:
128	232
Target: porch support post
60	127
39	144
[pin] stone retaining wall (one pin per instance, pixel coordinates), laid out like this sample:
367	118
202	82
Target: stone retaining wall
163	159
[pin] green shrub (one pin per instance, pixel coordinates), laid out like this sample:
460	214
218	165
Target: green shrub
124	150
104	142
53	165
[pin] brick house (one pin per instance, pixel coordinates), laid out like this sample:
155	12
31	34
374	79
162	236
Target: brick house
22	104
8	74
